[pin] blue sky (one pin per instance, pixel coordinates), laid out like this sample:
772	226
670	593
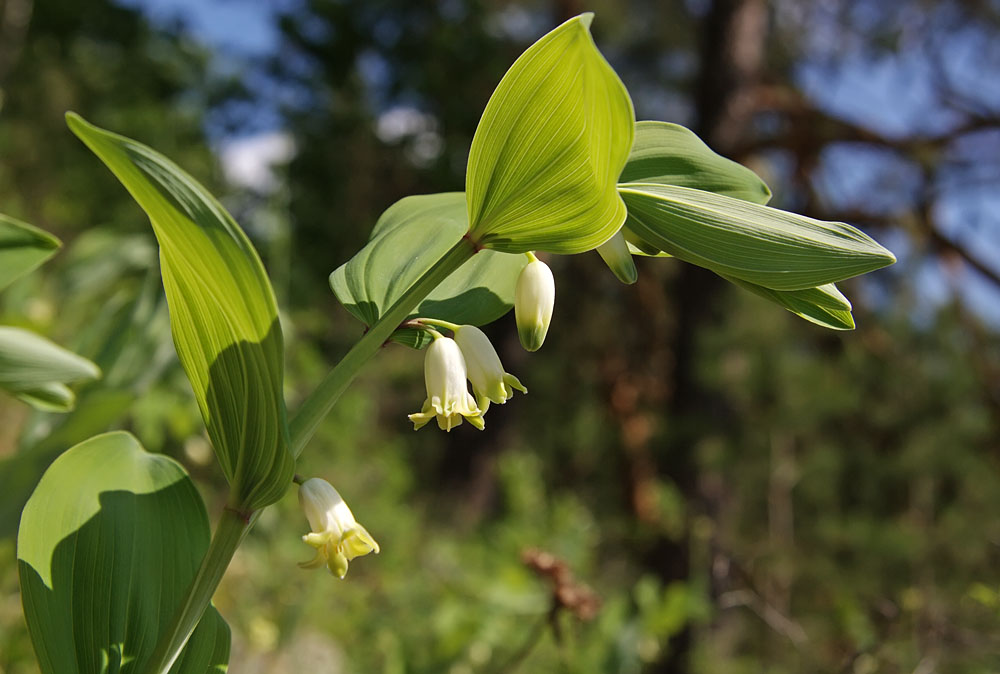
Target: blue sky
241	26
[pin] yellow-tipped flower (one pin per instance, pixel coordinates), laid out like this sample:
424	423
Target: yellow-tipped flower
534	297
448	396
616	255
485	371
336	535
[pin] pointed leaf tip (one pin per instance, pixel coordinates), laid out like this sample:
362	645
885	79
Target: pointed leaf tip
549	148
22	248
586	19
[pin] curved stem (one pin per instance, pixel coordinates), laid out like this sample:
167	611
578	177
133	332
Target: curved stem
229	533
318	405
234	524
447	325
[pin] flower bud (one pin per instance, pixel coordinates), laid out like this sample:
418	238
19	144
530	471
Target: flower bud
485	371
336	535
616	255
534	297
448	396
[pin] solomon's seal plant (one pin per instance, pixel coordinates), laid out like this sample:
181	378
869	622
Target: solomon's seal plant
558	165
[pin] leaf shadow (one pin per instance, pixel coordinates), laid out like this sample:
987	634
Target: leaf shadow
132	561
247	421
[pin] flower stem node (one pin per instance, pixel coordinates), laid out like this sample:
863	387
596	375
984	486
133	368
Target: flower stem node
336	535
448	397
489	381
534	298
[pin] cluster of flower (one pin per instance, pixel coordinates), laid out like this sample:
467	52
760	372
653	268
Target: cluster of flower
469	355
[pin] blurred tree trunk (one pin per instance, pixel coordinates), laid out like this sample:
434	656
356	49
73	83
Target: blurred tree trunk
15	16
732	48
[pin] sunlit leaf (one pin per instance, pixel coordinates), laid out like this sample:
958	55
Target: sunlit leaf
22	248
410	237
549	148
670	154
825	306
108	544
758	244
223	315
36	370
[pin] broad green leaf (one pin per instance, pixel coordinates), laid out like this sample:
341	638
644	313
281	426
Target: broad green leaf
36	370
406	241
223	315
108	544
670	154
825	306
762	245
549	148
22	248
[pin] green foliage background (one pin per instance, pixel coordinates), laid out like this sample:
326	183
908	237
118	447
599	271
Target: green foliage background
744	491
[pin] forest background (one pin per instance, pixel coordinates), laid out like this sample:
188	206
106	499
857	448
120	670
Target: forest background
743	491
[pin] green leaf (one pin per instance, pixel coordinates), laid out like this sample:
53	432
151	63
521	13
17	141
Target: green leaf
108	544
637	248
549	148
762	245
825	306
22	248
408	238
223	315
669	154
36	370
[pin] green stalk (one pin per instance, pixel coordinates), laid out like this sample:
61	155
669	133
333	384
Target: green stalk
228	535
322	400
235	524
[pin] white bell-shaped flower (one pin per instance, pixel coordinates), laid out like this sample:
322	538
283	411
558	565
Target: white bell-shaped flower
448	397
336	535
485	371
534	298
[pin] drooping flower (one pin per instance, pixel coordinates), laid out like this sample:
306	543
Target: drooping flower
448	396
336	535
485	371
534	298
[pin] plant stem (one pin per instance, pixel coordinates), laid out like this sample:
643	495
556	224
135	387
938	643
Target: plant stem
234	523
447	325
319	403
228	535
